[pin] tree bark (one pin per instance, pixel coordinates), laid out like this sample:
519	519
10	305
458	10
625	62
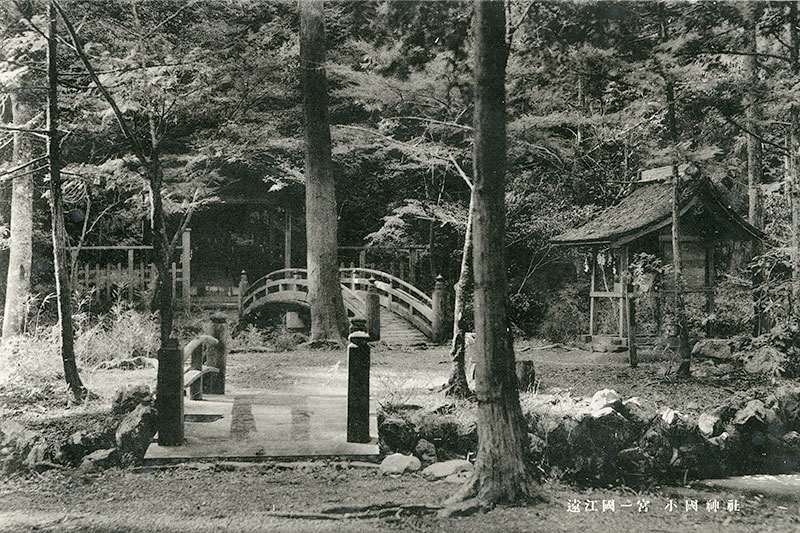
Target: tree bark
755	166
501	473
58	231
328	316
5	198
457	385
677	263
794	163
20	245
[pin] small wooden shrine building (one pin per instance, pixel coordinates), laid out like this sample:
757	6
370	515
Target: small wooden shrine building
642	223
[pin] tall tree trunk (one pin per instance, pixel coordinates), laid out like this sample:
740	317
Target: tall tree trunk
328	316
6	154
58	231
755	167
794	162
20	245
457	385
677	263
501	472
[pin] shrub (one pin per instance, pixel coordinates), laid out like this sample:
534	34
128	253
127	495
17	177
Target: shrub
566	313
123	333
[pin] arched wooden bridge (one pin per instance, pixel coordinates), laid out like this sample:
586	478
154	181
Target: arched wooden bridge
407	315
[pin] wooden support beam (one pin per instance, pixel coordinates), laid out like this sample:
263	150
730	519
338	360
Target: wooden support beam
592	310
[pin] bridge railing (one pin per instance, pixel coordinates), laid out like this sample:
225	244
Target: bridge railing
397	295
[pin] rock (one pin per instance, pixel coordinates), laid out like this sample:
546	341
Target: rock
753	415
636	411
792	439
716	349
446	468
719	440
100	459
709	425
669	416
774	424
134	434
605	411
693	405
135	363
36	454
425	451
397	463
397	435
605	398
128	398
787	401
458	479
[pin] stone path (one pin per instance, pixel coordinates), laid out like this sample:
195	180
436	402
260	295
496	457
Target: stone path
257	425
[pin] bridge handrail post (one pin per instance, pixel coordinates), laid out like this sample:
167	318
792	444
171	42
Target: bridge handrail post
373	311
217	354
358	363
439	310
169	394
242	289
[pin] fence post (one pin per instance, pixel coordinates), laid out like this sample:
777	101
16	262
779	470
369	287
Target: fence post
169	394
242	289
631	317
439	309
362	258
196	388
217	355
186	268
373	311
358	387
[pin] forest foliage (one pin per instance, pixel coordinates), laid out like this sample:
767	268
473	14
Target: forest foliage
585	107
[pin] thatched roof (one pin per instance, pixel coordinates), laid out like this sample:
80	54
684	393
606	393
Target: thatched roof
649	208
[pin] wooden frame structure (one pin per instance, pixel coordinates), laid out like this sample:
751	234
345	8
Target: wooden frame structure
641	222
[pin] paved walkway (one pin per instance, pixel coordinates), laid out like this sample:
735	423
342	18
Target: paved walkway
258	425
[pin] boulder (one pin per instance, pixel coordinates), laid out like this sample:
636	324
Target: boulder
446	469
752	415
787	405
397	463
709	425
605	398
637	411
134	434
127	398
458	479
719	440
425	451
792	439
716	349
100	459
397	434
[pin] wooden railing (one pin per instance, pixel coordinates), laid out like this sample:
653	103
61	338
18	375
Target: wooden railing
398	296
131	277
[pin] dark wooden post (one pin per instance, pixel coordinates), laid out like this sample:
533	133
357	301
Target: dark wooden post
169	394
630	313
358	387
186	269
242	289
217	355
373	311
439	309
592	308
362	258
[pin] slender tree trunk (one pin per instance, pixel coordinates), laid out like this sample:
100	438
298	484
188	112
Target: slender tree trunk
328	316
163	289
755	166
5	199
457	385
677	263
794	162
20	245
501	473
58	231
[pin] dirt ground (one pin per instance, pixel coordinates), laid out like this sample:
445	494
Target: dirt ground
209	497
